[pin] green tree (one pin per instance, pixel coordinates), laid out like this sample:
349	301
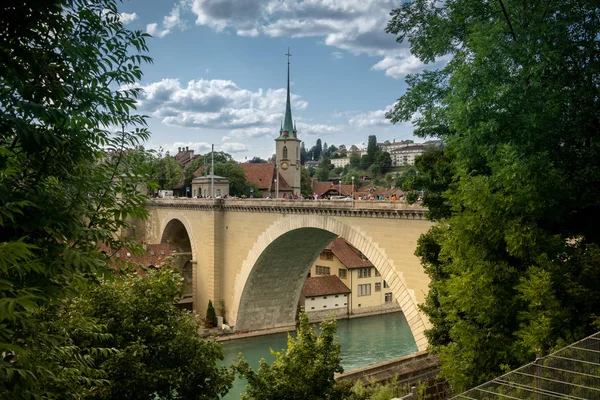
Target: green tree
159	352
384	160
325	152
347	178
67	179
303	154
306	183
304	371
322	174
355	160
317	150
211	315
372	149
191	169
166	171
257	160
238	185
515	261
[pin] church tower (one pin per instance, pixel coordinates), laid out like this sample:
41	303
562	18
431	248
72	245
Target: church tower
287	145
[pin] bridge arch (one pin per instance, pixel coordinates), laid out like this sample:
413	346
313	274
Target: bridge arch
177	233
269	283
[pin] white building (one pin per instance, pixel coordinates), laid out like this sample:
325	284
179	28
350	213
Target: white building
406	154
340	162
322	295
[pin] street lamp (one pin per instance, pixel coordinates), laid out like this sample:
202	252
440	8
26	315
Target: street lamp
352	189
276	182
341	175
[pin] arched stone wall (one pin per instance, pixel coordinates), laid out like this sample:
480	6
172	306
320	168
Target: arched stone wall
268	285
178	234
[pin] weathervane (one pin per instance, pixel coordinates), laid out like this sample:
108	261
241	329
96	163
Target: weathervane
288	54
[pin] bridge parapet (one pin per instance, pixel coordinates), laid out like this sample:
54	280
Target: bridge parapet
357	208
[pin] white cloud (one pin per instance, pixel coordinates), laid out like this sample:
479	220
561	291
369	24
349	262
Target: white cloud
170	21
153	30
337	55
248	32
356	26
217	104
369	118
399	67
127	18
318	129
232	147
198	147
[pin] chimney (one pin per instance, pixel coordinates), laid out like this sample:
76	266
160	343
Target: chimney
179	149
187	148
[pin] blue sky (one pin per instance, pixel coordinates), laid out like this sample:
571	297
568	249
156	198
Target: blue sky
219	72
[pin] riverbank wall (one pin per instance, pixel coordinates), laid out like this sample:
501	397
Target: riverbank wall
318	316
418	370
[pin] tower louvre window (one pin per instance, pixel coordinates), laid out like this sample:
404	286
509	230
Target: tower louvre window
285	152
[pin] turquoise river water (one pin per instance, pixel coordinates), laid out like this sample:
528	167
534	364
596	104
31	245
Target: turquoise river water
364	341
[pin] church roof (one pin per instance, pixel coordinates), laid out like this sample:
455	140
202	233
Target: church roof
288	130
262	175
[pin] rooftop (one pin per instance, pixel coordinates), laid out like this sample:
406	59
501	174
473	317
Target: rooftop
348	255
323	286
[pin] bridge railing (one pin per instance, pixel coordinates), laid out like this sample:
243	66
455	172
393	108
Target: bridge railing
357	205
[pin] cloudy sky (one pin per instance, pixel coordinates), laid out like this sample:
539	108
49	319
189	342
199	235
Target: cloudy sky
219	72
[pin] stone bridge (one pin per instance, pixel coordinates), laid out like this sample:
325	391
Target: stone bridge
250	257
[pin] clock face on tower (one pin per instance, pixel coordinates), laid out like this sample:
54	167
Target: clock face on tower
284	165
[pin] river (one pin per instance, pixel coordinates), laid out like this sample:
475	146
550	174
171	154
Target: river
364	341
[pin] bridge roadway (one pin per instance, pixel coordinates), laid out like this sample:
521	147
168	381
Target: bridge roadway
250	257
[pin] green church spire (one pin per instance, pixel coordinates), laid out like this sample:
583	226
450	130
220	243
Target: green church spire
288	124
288	129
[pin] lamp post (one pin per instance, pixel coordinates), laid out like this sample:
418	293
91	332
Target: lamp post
276	182
341	175
352	189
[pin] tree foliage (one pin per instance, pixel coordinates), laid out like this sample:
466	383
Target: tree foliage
157	349
515	259
211	315
306	183
67	101
166	171
304	371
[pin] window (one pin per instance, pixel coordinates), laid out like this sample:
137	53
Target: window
312	298
326	255
378	287
336	296
364	290
388	297
285	152
385	285
377	273
342	273
151	252
364	272
323	270
325	297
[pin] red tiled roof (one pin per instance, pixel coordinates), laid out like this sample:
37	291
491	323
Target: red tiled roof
323	187
155	254
199	171
348	255
262	175
323	286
